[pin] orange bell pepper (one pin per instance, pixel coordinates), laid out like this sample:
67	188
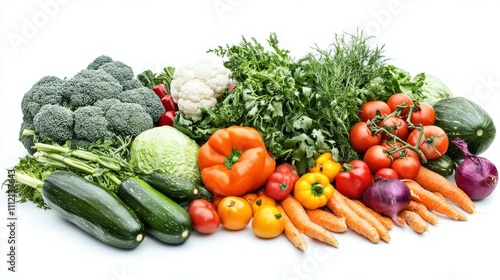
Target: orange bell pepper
235	161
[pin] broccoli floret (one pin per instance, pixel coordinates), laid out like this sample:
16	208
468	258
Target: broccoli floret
91	124
54	122
48	90
145	97
128	119
131	84
105	104
98	61
88	86
118	70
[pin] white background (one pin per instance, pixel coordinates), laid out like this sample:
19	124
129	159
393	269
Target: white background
458	41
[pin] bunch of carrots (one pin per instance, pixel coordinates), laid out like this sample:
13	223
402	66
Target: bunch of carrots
432	195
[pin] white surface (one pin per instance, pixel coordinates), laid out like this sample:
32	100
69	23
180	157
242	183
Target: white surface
454	40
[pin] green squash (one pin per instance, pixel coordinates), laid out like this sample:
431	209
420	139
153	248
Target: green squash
463	118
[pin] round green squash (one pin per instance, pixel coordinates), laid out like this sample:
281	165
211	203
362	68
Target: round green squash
463	118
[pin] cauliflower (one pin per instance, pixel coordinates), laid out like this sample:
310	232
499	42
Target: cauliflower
198	85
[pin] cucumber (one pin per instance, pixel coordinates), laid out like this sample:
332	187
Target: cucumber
179	189
95	210
163	218
443	165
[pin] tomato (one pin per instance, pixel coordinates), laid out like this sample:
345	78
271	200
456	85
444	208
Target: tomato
406	167
397	153
354	178
203	216
250	197
425	115
395	126
234	212
386	173
261	201
361	138
399	99
268	222
216	200
434	142
369	110
377	158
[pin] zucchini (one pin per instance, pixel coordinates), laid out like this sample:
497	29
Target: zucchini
443	165
96	210
460	117
163	218
179	189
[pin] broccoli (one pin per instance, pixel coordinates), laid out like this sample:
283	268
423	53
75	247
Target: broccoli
145	97
54	122
128	119
88	86
101	102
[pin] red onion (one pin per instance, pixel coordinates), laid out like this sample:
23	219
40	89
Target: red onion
476	176
388	197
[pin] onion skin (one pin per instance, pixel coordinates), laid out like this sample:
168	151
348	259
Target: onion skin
388	197
476	176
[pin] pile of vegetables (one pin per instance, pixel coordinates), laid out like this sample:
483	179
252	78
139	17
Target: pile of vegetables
248	136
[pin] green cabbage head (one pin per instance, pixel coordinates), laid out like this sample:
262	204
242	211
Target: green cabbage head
164	149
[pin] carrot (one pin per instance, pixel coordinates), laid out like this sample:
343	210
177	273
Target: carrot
423	211
363	213
414	220
340	208
432	201
291	232
435	182
328	220
299	218
386	221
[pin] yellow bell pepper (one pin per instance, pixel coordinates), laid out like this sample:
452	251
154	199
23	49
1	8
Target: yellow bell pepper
327	165
313	190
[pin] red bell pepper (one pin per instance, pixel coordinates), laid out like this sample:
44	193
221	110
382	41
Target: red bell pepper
281	182
353	179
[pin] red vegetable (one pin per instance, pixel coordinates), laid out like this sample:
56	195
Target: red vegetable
476	176
281	182
160	90
388	197
168	103
353	179
203	216
167	118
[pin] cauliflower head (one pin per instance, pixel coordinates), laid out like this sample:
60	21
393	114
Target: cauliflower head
198	85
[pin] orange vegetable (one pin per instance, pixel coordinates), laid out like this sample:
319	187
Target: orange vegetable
435	182
292	232
268	222
432	201
423	211
414	220
386	221
234	212
295	211
235	161
327	220
262	201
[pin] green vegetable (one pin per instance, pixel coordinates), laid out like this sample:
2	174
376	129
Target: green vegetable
163	218
443	165
95	210
56	109
434	90
463	118
179	189
164	149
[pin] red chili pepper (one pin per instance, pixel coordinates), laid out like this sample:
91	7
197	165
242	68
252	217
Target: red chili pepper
281	182
169	104
161	90
167	118
354	178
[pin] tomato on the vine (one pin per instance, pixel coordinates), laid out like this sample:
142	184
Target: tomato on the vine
406	167
268	222
399	99
434	142
361	138
368	110
397	151
203	216
234	212
376	158
425	115
386	173
395	126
